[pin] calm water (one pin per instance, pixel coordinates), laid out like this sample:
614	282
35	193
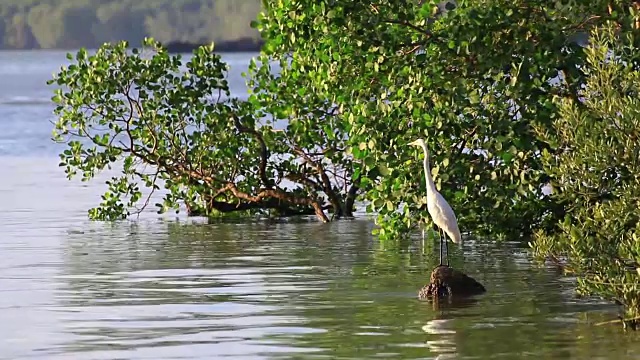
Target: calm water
175	288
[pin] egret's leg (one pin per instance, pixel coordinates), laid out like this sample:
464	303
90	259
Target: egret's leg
440	232
446	247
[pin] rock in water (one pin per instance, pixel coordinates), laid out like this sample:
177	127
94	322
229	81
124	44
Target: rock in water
447	282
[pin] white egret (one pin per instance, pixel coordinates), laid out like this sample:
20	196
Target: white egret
440	211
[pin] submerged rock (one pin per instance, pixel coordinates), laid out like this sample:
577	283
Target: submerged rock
447	282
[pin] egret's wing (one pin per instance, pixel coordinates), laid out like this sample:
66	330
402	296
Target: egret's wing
444	209
447	219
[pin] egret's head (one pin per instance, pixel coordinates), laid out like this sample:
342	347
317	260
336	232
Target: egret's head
420	142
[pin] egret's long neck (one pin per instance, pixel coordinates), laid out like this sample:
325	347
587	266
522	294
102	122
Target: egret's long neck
431	187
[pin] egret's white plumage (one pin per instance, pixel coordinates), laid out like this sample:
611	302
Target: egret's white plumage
440	211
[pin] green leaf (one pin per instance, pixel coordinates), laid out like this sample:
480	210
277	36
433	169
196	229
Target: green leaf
384	170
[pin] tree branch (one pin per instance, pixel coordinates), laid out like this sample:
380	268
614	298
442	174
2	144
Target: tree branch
409	25
264	151
326	182
280	195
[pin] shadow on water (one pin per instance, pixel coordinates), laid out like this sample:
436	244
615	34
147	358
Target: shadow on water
304	289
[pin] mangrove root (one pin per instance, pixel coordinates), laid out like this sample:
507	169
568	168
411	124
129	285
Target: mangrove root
447	282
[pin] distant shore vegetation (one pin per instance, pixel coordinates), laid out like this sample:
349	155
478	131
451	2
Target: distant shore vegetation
181	25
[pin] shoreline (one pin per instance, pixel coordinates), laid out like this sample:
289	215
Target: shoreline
245	45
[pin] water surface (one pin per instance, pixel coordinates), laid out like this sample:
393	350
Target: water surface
167	287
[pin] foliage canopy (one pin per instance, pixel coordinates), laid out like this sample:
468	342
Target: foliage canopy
165	121
472	78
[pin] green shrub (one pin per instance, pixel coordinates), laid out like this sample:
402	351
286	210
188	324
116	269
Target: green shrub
174	124
595	172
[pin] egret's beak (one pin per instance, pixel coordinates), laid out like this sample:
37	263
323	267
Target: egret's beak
414	143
